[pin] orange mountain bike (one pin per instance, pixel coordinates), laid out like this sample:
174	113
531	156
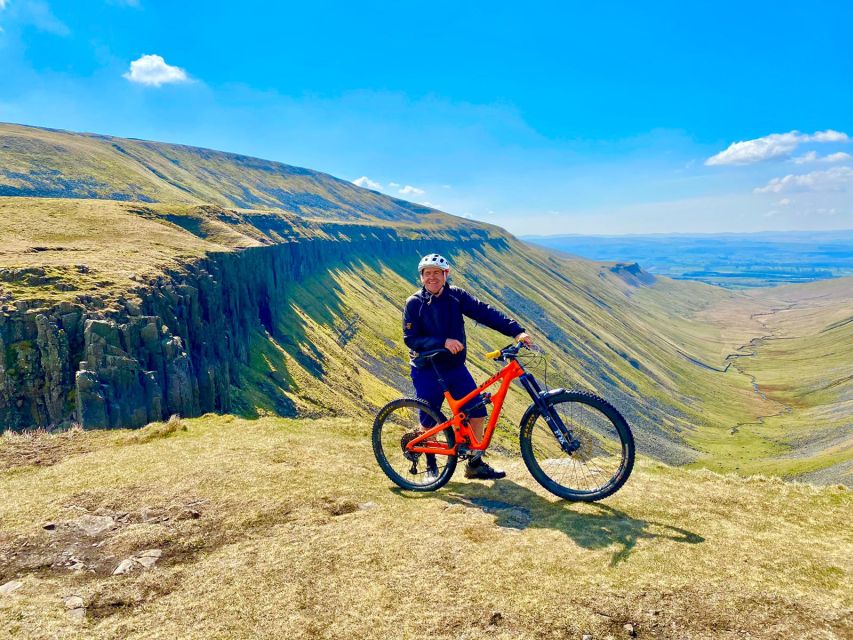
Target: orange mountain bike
574	443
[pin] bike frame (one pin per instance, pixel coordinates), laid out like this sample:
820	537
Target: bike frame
459	421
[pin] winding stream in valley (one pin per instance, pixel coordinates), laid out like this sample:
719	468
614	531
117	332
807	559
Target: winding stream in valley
752	347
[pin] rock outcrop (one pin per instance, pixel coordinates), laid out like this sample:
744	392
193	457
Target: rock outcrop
171	345
633	274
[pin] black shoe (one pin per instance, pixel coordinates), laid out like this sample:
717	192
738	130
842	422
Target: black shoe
483	471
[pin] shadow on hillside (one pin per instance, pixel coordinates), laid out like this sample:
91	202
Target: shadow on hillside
517	507
282	328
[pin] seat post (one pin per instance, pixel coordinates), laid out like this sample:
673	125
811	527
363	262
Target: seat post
441	380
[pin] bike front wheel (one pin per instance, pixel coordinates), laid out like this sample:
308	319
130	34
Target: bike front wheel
602	463
397	423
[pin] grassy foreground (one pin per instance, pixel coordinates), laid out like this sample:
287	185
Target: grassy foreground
278	528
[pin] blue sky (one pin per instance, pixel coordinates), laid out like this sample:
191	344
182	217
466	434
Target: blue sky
540	117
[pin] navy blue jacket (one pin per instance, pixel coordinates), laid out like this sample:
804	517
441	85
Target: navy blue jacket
429	320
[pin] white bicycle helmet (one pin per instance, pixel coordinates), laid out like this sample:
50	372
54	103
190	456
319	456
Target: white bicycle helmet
433	260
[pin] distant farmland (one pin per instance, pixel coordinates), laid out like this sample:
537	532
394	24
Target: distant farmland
727	260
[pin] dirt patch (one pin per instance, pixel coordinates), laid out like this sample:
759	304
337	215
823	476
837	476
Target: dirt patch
42	448
508	515
96	534
88	548
123	596
100	530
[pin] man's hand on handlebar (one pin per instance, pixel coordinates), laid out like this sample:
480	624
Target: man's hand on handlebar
453	346
523	338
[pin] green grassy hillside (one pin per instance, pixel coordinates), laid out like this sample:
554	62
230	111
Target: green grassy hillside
278	528
60	164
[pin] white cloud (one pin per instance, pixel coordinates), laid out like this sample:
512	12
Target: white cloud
152	71
3	4
835	179
785	202
773	146
812	156
403	190
830	136
367	183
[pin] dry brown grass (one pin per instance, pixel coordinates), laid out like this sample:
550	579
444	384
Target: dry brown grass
39	447
157	430
280	529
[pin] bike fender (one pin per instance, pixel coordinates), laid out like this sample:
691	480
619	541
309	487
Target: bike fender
526	421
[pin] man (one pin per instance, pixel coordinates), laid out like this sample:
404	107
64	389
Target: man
432	319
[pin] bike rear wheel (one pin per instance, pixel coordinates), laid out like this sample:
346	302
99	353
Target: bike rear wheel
399	420
594	471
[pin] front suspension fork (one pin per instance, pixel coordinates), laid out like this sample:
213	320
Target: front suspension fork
568	443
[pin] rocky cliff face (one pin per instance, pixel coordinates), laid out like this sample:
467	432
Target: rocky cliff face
171	345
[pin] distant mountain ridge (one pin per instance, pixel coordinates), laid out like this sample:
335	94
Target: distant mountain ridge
39	162
731	260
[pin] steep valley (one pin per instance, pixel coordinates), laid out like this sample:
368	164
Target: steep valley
150	297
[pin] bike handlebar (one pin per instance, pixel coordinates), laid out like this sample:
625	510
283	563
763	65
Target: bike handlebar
511	350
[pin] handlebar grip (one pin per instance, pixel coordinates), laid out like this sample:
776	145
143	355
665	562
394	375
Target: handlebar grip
493	355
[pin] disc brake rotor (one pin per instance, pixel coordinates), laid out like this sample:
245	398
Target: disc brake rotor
584	452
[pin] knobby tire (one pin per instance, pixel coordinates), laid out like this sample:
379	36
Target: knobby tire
595	471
